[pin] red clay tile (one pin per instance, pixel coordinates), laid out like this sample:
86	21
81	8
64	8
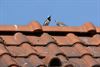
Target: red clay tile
34	25
95	40
95	51
53	50
68	65
23	28
7	28
85	41
23	62
9	40
98	29
3	50
21	51
91	41
20	38
62	40
1	40
89	27
98	60
63	58
90	61
70	51
41	50
43	40
69	39
65	61
82	49
73	39
78	62
35	61
61	29
48	38
7	61
34	40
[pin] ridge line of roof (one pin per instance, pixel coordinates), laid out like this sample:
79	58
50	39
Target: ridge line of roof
35	26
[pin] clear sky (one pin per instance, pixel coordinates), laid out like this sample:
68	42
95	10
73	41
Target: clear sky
71	12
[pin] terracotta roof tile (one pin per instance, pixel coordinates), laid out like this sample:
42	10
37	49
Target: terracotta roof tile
3	50
70	51
34	45
33	26
7	28
9	40
95	39
21	51
73	38
23	62
89	27
7	61
36	61
98	29
44	39
1	40
78	62
20	38
94	51
82	49
89	61
41	50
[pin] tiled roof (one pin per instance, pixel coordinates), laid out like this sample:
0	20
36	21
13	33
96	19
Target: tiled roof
35	45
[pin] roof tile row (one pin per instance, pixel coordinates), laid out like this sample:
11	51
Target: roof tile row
68	40
35	26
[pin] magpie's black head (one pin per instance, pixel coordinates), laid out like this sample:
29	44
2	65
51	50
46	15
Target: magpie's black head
49	18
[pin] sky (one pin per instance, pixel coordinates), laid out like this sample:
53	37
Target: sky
70	12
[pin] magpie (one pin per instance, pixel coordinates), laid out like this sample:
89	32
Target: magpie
47	21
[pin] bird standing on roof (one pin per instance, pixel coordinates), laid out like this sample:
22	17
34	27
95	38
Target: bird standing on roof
60	24
47	21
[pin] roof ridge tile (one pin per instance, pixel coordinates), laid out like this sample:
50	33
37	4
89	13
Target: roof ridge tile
88	26
34	25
